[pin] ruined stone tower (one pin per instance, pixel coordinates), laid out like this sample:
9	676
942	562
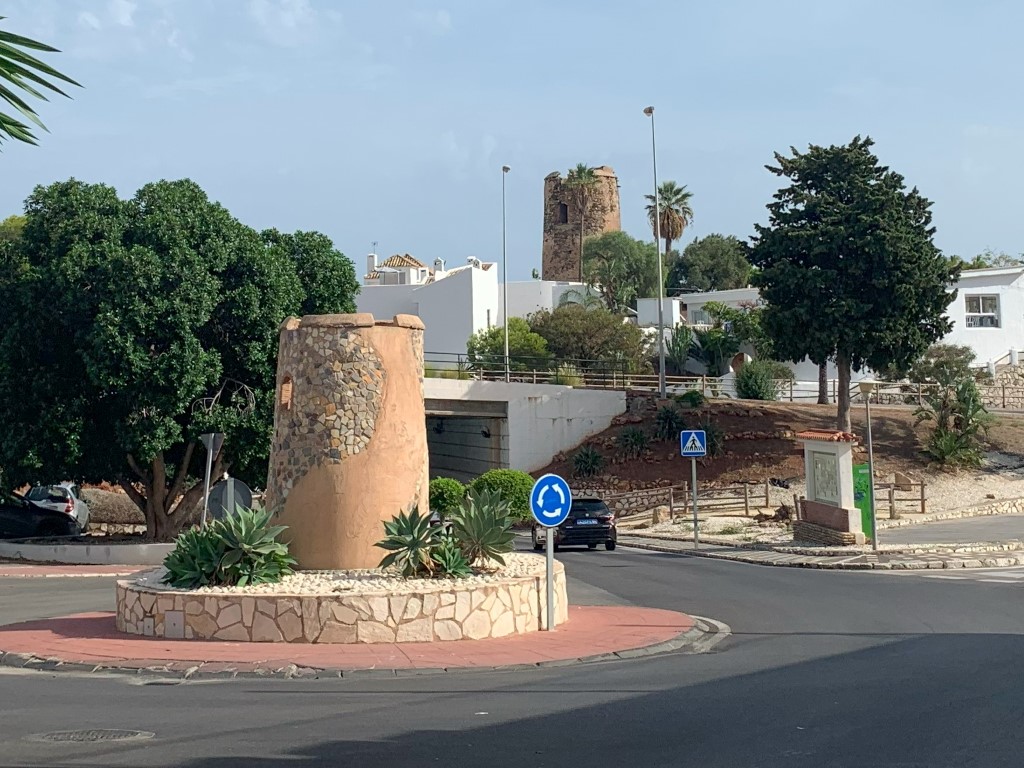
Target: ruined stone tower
560	257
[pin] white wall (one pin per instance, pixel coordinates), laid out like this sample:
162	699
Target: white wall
386	301
647	312
528	297
989	344
543	419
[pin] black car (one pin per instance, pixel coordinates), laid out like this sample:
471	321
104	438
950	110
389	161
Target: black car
21	519
589	522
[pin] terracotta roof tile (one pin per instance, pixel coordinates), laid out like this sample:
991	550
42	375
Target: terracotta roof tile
398	261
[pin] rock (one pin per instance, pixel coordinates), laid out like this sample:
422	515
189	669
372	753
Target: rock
660	515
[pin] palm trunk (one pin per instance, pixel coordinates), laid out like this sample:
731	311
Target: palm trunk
823	384
583	219
843	395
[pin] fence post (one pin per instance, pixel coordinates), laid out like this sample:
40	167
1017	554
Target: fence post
1004	397
767	494
892	502
796	506
746	500
922	498
791	390
686	499
671	505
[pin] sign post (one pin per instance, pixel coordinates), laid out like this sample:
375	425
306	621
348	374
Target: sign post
213	442
693	444
550	502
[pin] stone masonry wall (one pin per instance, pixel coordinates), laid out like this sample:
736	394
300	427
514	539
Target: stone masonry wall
471	612
818	534
561	241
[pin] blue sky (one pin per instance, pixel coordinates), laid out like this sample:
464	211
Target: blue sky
389	120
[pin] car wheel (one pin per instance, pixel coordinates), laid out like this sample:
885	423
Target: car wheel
591	546
609	545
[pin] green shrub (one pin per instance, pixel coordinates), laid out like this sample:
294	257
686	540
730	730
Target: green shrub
762	379
483	526
961	423
692	398
238	550
668	423
567	375
633	441
449	559
587	462
715	438
513	485
446	494
437	372
410	540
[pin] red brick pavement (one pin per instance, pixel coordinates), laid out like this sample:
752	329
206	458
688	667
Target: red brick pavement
91	638
12	570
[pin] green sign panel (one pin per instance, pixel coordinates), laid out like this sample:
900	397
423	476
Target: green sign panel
863	496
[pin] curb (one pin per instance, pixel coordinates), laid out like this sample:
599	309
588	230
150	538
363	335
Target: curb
702	637
908	565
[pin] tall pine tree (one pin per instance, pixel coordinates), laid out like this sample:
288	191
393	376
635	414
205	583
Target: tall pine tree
847	266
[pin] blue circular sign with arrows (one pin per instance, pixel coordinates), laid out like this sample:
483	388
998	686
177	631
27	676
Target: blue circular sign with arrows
550	501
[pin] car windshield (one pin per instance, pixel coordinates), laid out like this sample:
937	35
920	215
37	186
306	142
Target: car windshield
589	506
51	493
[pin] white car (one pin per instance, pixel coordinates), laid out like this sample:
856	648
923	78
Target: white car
65	497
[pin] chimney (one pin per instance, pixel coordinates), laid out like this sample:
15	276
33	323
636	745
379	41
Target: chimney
371	263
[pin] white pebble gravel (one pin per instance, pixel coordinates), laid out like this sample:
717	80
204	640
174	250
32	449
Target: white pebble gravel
307	583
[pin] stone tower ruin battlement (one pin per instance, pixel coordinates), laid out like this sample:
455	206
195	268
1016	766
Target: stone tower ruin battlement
560	256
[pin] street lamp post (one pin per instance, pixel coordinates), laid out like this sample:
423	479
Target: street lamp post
504	270
649	111
866	388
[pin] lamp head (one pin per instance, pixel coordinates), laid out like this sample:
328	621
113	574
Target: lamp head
649	111
505	169
867	386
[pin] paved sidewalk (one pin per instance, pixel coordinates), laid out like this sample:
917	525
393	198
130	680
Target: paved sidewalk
845	561
967	530
12	570
90	642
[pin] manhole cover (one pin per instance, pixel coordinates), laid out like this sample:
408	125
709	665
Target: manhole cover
92	735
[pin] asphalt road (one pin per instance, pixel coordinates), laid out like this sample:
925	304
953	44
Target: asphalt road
824	669
966	531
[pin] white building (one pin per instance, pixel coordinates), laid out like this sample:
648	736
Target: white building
987	315
453	303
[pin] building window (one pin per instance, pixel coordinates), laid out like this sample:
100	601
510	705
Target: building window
563	213
698	317
982	311
286	393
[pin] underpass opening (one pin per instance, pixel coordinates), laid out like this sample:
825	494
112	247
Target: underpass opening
466	439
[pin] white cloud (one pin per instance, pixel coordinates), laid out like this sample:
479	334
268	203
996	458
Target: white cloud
174	41
437	22
122	12
89	20
273	15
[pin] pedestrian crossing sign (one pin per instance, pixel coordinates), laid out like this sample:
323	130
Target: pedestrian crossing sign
693	442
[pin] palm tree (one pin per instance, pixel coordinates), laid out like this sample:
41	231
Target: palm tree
584	297
580	182
676	213
19	71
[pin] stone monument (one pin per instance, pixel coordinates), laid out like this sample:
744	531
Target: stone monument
349	448
829	514
560	249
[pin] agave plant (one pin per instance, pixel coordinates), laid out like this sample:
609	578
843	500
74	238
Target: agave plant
195	559
252	554
410	539
449	559
483	526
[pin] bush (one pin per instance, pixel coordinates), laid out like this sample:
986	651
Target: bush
715	438
238	550
513	486
668	423
587	462
633	442
567	375
446	494
483	526
693	398
762	379
961	423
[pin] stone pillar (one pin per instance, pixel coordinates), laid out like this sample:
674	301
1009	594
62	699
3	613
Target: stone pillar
349	448
828	465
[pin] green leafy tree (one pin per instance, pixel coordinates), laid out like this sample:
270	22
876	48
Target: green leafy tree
715	348
597	337
679	348
328	277
989	259
21	71
581	182
944	364
11	228
676	213
711	263
622	268
744	322
847	266
584	297
527	351
154	305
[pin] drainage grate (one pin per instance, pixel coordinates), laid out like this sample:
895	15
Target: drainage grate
92	735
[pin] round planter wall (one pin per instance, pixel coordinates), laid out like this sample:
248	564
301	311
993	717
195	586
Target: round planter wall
453	611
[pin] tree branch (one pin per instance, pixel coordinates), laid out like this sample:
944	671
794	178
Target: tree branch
179	476
143	475
133	494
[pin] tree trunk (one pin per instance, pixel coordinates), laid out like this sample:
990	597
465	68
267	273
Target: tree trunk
823	384
843	395
583	219
165	518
